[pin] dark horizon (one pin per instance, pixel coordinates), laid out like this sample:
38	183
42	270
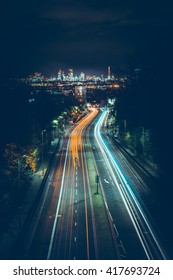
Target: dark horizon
46	36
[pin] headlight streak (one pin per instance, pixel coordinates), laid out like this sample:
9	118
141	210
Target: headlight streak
58	206
39	214
113	228
130	201
74	145
76	135
90	196
64	220
114	231
85	201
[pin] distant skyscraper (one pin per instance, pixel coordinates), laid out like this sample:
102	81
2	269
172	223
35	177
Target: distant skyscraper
63	76
59	75
82	76
80	93
109	72
70	74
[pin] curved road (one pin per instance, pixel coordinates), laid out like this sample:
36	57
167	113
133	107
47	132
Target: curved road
76	218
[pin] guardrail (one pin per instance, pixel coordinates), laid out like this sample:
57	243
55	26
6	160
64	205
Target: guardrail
136	164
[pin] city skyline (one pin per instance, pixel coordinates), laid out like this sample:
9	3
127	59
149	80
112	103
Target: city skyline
72	74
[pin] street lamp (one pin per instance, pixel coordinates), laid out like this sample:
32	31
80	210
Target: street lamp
97	182
54	126
19	185
42	150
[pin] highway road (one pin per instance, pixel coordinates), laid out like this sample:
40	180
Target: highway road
122	185
64	225
76	218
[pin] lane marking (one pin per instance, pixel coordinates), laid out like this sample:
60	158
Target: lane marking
123	247
107	182
126	197
58	207
117	233
110	216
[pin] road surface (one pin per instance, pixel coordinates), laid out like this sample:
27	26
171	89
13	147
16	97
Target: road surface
79	217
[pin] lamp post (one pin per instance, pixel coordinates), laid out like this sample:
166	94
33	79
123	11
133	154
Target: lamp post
19	185
42	150
97	182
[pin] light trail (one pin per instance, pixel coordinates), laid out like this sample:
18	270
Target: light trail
57	209
65	219
78	131
68	192
141	224
113	229
42	205
91	203
69	221
76	136
85	204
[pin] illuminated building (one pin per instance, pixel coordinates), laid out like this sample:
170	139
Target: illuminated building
70	74
109	72
63	76
80	93
59	75
82	76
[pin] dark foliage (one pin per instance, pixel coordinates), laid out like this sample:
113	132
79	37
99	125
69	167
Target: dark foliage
146	102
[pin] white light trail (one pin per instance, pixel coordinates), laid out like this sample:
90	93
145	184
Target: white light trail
58	207
132	205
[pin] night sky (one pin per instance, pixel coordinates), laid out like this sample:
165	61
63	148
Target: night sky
87	35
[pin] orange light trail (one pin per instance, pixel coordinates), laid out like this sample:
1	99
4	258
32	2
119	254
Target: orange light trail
76	136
